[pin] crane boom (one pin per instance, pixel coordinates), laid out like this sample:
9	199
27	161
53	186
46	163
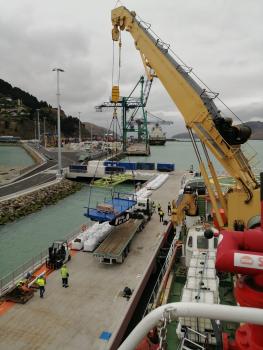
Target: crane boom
195	103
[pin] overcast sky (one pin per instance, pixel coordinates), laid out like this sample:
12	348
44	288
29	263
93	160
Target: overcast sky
221	39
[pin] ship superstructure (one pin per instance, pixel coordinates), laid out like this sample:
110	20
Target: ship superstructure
157	136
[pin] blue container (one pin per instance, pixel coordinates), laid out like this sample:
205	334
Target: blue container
145	166
110	163
165	167
128	165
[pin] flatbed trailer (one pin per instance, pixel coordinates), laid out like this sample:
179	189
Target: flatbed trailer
115	247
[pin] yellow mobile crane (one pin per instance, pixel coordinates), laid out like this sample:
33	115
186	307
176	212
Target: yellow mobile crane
186	205
201	115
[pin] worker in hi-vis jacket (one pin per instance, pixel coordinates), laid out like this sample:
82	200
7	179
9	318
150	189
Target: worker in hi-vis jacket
64	274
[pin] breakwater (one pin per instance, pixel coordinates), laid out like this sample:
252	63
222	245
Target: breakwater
23	205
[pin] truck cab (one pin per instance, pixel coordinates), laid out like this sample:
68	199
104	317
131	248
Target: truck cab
144	206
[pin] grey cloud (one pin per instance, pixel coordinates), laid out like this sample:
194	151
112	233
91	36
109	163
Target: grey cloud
221	40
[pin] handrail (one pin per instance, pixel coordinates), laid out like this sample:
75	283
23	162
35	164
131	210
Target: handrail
152	299
174	310
10	280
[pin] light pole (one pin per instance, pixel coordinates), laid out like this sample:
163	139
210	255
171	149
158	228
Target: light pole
44	127
38	128
79	128
58	112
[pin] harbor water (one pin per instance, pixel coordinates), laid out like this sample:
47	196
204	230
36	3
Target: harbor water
28	236
14	156
182	155
13	159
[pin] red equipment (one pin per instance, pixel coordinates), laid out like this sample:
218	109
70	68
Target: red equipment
242	253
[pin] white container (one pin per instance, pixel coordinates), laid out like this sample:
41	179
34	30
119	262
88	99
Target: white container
90	244
202	325
208	254
202	262
195	272
209	284
190	221
77	243
96	234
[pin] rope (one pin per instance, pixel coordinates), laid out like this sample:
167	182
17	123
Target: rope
94	176
119	68
92	181
140	21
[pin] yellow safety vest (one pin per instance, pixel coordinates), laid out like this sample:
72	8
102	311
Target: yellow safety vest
41	282
64	272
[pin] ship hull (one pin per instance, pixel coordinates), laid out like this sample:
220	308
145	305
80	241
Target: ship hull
157	142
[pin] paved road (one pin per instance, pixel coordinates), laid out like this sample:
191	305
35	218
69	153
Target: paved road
47	165
18	186
37	176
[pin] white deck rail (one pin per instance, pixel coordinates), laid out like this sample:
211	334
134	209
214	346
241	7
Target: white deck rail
174	310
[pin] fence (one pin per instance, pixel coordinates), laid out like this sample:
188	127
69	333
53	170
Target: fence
9	281
155	292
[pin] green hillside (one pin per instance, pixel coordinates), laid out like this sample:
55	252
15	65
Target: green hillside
18	115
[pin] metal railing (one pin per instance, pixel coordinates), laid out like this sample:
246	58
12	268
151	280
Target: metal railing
152	300
10	280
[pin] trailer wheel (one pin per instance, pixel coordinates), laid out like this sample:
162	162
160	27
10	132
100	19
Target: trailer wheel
141	227
127	250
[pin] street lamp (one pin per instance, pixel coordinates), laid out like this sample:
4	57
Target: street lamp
38	128
35	130
79	128
58	112
44	127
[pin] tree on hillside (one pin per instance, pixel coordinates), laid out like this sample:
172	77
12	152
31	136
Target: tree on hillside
70	126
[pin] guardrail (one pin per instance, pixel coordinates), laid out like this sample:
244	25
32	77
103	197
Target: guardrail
153	297
10	280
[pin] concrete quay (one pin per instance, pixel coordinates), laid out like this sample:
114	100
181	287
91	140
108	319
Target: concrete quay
76	317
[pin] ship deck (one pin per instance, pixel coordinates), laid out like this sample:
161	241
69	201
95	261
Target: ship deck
85	314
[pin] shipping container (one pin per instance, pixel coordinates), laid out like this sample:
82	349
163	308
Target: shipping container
165	166
128	165
145	166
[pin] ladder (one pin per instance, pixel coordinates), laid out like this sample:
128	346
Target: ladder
188	344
